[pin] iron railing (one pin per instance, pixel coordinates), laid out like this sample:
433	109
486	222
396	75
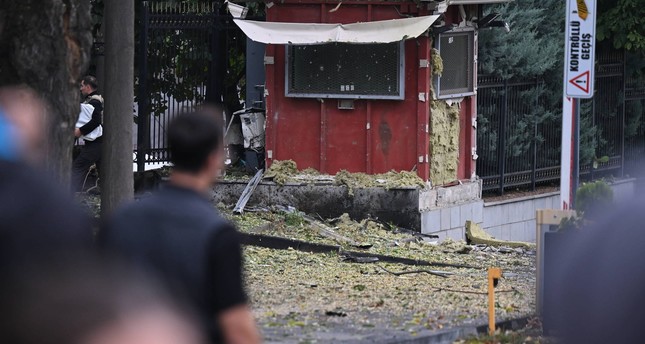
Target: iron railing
519	132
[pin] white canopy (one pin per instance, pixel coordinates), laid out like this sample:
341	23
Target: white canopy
384	31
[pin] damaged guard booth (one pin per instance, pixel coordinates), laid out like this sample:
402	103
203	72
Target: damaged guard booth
349	85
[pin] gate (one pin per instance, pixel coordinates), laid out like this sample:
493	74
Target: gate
181	63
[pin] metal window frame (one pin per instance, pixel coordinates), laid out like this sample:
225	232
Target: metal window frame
437	79
401	76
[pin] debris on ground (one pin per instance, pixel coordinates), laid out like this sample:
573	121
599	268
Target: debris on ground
286	171
281	171
384	239
477	235
529	334
371	299
389	180
324	297
248	191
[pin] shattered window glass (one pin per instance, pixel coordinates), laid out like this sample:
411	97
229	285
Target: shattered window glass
457	52
345	70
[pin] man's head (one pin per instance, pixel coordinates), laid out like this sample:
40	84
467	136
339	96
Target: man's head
89	84
195	141
26	112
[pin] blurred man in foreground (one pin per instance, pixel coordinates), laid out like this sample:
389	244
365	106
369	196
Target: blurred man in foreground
38	220
178	234
90	302
598	288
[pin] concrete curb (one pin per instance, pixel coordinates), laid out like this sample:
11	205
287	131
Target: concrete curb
448	336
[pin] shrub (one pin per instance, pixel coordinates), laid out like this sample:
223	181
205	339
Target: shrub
593	197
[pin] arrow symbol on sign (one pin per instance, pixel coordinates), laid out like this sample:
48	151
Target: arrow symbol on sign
583	12
581	81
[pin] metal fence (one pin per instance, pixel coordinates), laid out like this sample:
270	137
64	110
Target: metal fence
181	63
515	134
519	131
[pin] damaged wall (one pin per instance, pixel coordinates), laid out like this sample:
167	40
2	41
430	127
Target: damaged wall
444	134
372	135
444	142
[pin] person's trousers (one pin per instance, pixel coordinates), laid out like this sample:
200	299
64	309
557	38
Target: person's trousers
90	154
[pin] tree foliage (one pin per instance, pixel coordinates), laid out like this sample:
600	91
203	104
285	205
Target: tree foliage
534	49
622	22
534	45
531	52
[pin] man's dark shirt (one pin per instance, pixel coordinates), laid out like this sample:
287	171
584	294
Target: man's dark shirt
37	221
96	115
177	234
598	285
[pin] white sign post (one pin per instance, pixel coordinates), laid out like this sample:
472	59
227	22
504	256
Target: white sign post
579	52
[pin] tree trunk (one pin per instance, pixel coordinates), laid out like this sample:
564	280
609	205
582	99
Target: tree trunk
45	44
116	166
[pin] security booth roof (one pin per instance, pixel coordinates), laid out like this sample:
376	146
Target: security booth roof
383	31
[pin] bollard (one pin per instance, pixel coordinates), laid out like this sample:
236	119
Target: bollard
493	275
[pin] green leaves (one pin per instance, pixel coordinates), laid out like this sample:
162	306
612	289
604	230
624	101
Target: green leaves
622	22
534	45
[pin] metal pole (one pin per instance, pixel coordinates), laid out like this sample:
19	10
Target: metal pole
533	142
575	180
501	154
143	99
622	114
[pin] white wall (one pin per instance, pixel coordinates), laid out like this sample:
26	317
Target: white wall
512	219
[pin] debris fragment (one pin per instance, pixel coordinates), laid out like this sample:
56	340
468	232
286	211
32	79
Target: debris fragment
248	192
477	235
389	180
335	314
348	257
430	272
437	62
281	171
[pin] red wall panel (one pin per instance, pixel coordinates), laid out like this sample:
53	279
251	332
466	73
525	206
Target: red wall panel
374	137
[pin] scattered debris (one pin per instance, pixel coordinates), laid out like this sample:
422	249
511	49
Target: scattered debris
281	171
389	180
286	171
335	314
330	233
477	235
278	243
397	230
248	191
348	257
373	299
430	272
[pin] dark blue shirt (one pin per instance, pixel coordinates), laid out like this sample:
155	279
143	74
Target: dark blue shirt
38	221
177	234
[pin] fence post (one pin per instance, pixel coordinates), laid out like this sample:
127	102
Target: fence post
143	98
217	68
501	153
622	116
535	134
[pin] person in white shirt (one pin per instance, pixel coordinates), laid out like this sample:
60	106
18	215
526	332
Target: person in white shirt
88	128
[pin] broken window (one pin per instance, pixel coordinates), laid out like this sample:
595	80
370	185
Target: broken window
457	50
342	70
